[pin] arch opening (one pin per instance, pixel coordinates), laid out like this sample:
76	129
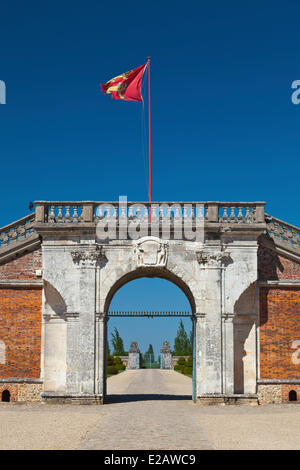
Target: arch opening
5	396
292	395
146	272
147	291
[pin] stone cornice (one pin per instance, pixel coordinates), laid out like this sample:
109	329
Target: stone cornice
278	381
17	248
20	380
15	283
280	247
280	283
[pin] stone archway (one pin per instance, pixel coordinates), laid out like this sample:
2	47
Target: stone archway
146	272
142	272
212	276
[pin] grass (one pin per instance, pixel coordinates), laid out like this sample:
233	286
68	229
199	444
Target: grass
111	375
186	375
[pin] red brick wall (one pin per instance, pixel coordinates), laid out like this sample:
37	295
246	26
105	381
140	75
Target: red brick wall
279	328
20	318
20	330
272	266
23	267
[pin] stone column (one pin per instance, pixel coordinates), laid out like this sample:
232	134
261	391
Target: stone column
209	322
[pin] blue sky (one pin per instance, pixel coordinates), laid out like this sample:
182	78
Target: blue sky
223	124
149	294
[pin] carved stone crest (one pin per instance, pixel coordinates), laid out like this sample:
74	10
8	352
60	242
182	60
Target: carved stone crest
151	251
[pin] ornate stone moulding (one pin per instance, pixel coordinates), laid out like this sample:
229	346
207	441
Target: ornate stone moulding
213	259
134	347
150	251
89	257
166	348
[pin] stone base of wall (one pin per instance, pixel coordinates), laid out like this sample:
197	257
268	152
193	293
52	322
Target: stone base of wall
211	400
56	399
277	393
286	389
22	392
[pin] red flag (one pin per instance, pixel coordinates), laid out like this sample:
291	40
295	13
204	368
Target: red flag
127	86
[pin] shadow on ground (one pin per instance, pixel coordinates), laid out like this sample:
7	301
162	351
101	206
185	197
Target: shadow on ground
126	398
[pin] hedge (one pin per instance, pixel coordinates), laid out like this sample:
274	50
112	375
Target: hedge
112	370
187	370
181	361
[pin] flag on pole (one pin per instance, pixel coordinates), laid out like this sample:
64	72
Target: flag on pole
127	86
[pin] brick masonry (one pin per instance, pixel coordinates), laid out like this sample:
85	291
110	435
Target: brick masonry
22	391
20	327
23	267
13	390
272	266
279	327
279	330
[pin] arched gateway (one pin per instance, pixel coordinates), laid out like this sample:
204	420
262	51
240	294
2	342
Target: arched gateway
85	254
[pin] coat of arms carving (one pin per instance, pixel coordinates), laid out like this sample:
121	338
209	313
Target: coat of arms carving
151	251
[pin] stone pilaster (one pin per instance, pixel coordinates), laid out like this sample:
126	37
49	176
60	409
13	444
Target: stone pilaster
72	385
101	353
209	323
228	353
86	261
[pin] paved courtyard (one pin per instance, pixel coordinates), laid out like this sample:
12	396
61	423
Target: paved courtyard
149	409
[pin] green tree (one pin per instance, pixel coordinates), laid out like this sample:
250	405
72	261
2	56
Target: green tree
117	342
182	341
189	351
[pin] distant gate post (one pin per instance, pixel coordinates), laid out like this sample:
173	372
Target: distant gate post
166	356
134	356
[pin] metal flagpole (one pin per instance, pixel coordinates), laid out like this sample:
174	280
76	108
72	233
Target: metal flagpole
149	105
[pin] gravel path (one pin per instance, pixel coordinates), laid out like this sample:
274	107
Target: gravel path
149	409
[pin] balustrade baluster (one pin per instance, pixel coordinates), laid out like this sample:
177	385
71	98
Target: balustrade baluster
60	216
68	215
13	234
240	218
51	217
225	215
232	214
247	216
75	217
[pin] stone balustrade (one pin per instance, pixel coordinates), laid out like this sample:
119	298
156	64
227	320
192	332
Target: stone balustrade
91	211
286	234
17	232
